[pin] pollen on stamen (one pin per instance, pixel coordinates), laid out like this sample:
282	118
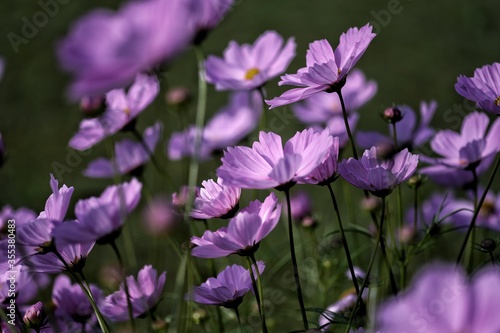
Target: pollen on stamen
497	101
250	74
127	111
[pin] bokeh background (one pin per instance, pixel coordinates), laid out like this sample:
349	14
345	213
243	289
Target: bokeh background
421	47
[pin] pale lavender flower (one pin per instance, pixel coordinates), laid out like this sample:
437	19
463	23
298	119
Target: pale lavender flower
465	150
336	126
226	128
301	206
72	305
106	50
57	204
180	198
268	165
160	217
216	200
129	155
101	219
27	285
377	175
227	289
211	13
249	67
321	107
122	107
145	293
244	232
442	299
410	133
483	88
21	216
489	213
75	256
326	69
325	172
437	209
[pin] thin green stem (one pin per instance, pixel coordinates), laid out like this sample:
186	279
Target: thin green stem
259	285
125	284
257	295
470	253
369	269
294	262
344	240
476	211
240	327
346	122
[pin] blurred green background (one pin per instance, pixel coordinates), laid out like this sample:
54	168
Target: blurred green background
421	48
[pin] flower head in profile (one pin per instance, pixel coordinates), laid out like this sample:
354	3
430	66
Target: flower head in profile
244	232
326	69
483	88
216	200
248	67
105	50
377	175
442	299
122	107
145	293
410	133
71	302
101	219
74	255
57	204
129	156
326	171
227	289
321	107
226	128
268	165
36	317
467	149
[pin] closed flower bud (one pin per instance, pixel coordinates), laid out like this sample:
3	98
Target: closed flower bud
178	96
488	245
36	316
392	115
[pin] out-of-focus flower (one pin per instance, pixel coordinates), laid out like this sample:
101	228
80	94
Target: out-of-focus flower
249	67
210	15
227	289
465	150
121	109
101	219
325	172
178	96
129	156
438	208
483	88
379	176
227	128
105	50
326	70
180	198
71	302
91	105
216	200
160	217
442	299
21	216
300	204
336	126
36	316
244	232
268	165
27	285
410	134
489	213
321	107
145	293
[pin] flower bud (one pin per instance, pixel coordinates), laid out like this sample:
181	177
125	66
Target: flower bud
370	204
160	217
36	316
392	115
199	316
488	245
91	106
416	181
178	96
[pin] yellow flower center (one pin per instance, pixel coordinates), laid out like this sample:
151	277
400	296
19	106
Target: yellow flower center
497	101
487	208
127	111
250	74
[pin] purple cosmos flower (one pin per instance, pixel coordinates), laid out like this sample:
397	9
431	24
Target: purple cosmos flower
379	176
211	13
101	219
216	200
489	213
244	232
442	299
145	293
321	107
105	50
160	216
27	284
228	127
247	67
21	216
57	204
410	134
438	208
121	109
227	289
325	172
75	256
129	156
301	206
336	126
36	317
71	303
325	70
483	88
467	149
180	199
267	164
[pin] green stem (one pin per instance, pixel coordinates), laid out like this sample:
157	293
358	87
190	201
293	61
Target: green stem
470	253
294	262
346	122
344	240
476	211
239	319
257	296
369	269
259	285
125	284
